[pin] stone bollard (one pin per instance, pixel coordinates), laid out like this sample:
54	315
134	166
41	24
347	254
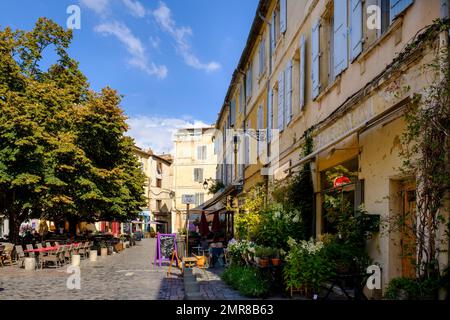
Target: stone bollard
30	263
103	252
93	255
76	260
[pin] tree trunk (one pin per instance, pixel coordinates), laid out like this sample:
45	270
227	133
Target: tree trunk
72	225
14	227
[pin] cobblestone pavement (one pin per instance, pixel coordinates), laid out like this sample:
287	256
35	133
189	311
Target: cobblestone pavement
213	288
127	275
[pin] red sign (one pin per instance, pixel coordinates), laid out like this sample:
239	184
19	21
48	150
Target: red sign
339	181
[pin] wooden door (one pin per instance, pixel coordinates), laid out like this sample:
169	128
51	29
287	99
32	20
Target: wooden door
408	236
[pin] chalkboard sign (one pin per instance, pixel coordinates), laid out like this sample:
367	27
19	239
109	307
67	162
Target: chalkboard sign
165	245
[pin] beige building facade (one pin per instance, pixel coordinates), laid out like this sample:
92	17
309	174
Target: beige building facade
194	168
332	68
158	170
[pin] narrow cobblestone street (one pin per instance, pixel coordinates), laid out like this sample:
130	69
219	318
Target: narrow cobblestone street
124	276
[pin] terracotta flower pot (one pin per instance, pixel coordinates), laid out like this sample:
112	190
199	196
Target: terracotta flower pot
263	262
276	261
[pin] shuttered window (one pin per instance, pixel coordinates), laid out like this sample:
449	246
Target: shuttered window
281	103
260	124
288	103
232	112
356	28
273	37
283	15
199	198
248	84
397	7
302	72
198	174
201	153
269	113
247	144
340	43
241	98
262	56
315	59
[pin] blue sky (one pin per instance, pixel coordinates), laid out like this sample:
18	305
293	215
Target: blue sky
172	60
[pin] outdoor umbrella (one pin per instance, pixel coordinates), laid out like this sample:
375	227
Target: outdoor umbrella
216	223
204	229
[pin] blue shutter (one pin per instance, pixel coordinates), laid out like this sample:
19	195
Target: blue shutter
269	113
283	15
249	82
241	98
397	7
281	101
247	144
340	56
272	33
260	126
356	28
315	60
288	103
262	55
302	72
232	112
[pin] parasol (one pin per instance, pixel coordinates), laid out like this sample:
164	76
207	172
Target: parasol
204	229
216	223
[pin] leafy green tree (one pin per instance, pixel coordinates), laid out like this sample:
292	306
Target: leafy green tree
63	153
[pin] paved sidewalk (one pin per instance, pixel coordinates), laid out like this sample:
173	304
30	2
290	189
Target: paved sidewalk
127	275
213	288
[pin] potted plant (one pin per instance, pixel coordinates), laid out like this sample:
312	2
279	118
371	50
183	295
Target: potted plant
263	256
275	257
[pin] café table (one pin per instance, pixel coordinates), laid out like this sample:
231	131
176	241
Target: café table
39	251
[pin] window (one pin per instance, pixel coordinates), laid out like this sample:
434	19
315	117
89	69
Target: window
241	98
281	104
159	168
315	59
397	7
278	24
382	17
158	183
248	84
158	205
302	78
269	113
288	103
337	40
283	16
201	153
260	127
232	112
198	175
199	198
262	56
273	30
247	143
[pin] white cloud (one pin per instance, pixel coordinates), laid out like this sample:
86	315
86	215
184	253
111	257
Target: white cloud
157	132
134	47
163	17
135	7
155	42
100	7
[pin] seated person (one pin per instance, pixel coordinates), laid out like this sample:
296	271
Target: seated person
204	244
216	253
